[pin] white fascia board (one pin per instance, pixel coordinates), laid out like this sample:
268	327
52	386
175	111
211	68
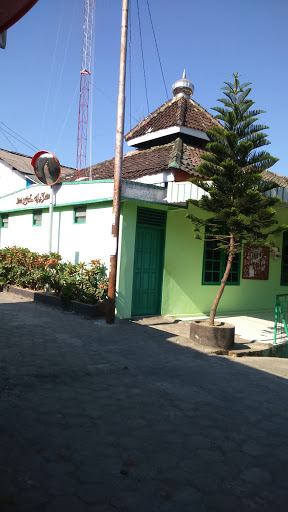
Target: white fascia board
168	131
154	179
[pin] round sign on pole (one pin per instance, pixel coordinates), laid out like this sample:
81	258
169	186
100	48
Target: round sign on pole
47	168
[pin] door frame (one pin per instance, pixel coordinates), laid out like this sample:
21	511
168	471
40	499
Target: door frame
159	228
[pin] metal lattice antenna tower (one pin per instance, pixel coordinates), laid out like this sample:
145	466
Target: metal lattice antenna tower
84	88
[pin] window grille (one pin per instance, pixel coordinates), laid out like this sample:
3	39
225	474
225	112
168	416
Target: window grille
4	220
37	218
80	214
215	261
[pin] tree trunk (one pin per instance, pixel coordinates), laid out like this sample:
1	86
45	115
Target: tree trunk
223	281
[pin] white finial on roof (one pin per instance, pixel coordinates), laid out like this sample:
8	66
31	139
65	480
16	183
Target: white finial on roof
183	87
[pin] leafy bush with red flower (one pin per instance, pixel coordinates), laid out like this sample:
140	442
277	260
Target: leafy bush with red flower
83	282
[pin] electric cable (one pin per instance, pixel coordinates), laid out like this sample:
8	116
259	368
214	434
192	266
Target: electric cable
157	49
18	135
67	115
140	33
110	100
17	151
51	74
5	131
67	39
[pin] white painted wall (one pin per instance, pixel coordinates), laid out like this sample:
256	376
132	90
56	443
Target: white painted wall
157	179
22	233
91	240
10	180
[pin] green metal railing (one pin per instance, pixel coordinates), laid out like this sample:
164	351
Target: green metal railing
281	318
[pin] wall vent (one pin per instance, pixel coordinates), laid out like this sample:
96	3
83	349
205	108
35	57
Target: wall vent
151	217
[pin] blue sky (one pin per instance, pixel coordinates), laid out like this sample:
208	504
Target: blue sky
41	68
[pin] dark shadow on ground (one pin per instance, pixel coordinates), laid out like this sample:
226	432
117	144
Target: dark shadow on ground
125	418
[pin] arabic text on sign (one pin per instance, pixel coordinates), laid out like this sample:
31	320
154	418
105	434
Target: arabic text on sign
39	198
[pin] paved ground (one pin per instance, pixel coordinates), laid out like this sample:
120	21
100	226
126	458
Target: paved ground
128	418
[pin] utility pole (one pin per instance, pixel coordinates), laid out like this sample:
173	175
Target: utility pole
110	309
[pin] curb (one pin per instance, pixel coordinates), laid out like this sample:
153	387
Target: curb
280	350
80	308
271	350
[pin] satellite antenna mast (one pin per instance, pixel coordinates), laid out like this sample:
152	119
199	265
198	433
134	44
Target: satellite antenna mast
85	73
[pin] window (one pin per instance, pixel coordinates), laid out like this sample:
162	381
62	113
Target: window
80	215
37	218
214	264
29	182
4	220
284	264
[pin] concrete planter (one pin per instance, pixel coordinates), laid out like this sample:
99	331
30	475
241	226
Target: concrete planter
97	310
220	335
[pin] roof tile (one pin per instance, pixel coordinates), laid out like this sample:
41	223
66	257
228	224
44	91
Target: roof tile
179	111
22	163
150	161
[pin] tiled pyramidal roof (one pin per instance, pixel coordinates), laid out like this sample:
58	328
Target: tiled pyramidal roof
179	111
177	148
150	161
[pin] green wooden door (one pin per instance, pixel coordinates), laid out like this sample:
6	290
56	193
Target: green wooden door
148	262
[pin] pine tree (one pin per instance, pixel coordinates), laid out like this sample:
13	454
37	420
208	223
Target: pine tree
232	180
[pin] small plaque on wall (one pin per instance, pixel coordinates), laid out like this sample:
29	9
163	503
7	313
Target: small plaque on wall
255	262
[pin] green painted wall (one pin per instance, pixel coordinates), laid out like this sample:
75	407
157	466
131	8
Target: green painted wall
183	294
126	259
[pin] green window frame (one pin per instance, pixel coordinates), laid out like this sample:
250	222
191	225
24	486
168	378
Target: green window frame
80	214
37	218
214	264
4	220
284	260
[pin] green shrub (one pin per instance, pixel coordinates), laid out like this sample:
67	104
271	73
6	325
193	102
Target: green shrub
83	282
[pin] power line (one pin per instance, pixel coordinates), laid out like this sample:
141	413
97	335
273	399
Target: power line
30	146
63	60
16	150
51	74
157	49
67	115
140	33
110	100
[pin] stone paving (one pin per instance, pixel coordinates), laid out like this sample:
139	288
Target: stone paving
127	418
